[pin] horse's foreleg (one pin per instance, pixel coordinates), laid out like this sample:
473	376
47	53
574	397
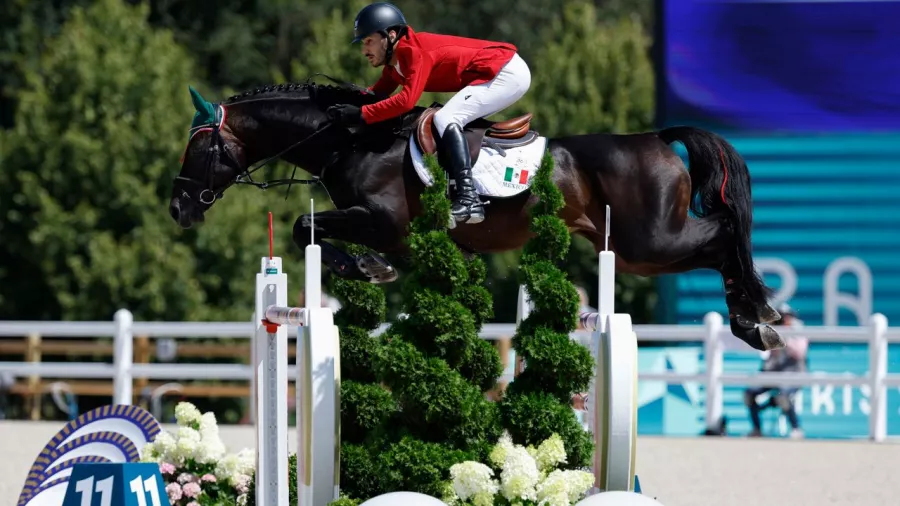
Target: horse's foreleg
358	225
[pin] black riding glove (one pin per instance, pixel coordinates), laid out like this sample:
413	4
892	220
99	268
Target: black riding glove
345	114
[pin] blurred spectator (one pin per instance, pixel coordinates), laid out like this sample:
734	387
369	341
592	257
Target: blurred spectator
584	307
792	358
7	381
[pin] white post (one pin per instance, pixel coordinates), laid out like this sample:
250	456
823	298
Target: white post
877	371
606	286
254	360
598	395
523	305
714	364
270	369
523	309
318	395
123	357
615	435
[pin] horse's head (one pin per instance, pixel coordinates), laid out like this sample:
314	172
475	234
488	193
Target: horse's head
286	121
212	161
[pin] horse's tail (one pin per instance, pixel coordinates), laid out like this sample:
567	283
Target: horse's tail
720	182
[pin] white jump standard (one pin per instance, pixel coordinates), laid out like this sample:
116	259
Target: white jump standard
317	386
611	403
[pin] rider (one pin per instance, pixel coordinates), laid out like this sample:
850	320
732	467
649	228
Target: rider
488	76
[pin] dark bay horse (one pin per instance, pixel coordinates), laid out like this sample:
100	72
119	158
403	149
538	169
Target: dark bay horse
368	174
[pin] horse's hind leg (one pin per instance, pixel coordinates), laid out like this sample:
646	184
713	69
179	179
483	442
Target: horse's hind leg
358	225
705	243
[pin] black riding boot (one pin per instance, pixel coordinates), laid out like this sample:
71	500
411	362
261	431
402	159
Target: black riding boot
467	208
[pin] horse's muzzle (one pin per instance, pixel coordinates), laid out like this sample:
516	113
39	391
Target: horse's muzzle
181	215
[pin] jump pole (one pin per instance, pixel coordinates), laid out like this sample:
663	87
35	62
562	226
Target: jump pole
317	386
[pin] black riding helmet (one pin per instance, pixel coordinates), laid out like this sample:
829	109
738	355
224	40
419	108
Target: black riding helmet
379	18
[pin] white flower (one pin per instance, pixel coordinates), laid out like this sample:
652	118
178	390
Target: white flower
483	499
246	461
564	487
448	494
208	424
187	414
164	446
498	454
148	453
229	469
209	452
472	478
519	476
579	483
187	441
560	499
553	486
550	453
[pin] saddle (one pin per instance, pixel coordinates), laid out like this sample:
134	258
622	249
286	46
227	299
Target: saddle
499	135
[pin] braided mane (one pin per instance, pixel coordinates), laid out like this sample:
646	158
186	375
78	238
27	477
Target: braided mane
320	93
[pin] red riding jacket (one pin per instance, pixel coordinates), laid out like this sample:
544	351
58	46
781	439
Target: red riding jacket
438	63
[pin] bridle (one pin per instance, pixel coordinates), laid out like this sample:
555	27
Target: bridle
217	146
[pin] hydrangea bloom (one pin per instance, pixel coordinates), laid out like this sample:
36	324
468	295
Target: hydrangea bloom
195	464
527	477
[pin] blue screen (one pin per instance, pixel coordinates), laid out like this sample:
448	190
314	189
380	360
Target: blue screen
798	66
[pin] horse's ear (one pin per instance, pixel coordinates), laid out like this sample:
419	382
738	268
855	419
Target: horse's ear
207	110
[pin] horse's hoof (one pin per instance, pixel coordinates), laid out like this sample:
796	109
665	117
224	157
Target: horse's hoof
771	339
762	337
377	269
767	314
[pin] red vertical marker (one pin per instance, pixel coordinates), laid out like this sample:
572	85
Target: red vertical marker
271	246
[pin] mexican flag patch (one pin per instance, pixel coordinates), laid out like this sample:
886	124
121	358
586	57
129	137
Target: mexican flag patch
516	176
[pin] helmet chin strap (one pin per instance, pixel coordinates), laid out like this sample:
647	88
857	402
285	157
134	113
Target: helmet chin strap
389	52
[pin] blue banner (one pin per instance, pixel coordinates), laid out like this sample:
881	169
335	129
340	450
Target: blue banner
769	66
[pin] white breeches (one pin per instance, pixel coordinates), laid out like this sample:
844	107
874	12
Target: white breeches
481	100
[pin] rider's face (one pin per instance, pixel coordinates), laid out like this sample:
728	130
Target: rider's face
374	48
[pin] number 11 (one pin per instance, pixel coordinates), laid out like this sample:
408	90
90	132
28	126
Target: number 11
149	485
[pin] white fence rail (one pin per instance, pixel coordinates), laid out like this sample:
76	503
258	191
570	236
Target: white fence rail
715	337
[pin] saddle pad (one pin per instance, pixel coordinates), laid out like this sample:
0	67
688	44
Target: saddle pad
495	175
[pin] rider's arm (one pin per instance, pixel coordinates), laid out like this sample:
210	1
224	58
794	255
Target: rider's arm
385	85
415	65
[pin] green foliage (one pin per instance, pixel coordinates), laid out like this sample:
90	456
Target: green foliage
536	404
531	417
344	501
366	408
87	171
416	466
361	472
590	76
435	367
82	178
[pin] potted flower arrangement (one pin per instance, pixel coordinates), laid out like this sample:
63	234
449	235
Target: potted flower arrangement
194	463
